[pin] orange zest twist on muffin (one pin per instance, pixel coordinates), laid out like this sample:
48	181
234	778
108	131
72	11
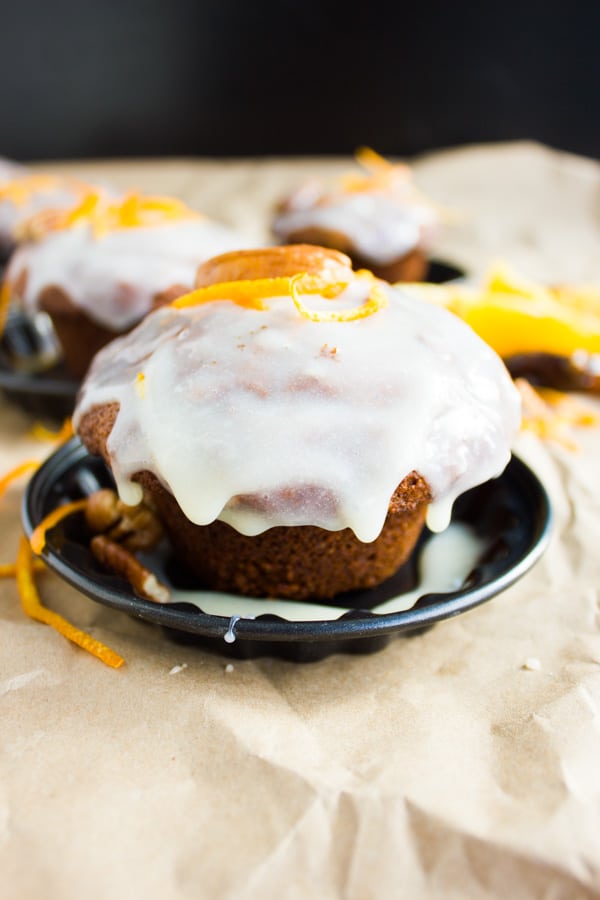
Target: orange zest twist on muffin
251	293
105	215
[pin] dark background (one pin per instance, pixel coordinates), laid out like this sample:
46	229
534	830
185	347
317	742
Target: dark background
148	77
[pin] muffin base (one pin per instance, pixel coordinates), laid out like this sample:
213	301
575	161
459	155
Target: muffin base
301	562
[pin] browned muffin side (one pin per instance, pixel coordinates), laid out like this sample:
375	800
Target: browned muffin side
302	562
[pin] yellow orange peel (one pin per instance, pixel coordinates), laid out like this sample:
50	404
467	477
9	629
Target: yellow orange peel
5	298
22	469
33	607
252	293
514	315
249	293
39	432
38	538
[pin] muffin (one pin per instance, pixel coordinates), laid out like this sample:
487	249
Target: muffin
297	422
378	218
100	267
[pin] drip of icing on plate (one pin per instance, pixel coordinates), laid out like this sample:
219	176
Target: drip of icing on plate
444	563
262	417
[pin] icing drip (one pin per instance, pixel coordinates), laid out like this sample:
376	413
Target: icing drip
262	417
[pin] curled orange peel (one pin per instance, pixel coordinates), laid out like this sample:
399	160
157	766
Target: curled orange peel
22	469
38	538
251	294
376	300
33	607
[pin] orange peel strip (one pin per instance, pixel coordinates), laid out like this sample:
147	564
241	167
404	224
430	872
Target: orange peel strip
376	300
38	538
39	432
24	467
9	570
5	298
32	606
248	293
371	160
251	293
104	215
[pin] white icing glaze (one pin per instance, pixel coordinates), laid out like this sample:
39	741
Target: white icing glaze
381	227
114	278
443	565
238	402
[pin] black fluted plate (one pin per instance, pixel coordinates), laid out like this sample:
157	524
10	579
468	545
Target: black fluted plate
48	394
510	513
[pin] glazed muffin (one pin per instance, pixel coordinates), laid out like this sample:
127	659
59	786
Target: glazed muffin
377	217
297	422
100	267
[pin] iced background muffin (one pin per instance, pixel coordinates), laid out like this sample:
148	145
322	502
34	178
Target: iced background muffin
102	265
377	216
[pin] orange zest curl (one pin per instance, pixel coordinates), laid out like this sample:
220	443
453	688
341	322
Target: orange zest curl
38	538
22	469
251	294
33	607
376	300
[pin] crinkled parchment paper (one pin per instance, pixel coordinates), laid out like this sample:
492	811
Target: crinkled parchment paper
439	767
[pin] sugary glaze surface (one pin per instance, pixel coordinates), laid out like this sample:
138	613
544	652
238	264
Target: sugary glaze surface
262	417
114	277
379	216
23	194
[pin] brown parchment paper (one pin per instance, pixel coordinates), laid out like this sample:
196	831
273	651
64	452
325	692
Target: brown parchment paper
439	767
